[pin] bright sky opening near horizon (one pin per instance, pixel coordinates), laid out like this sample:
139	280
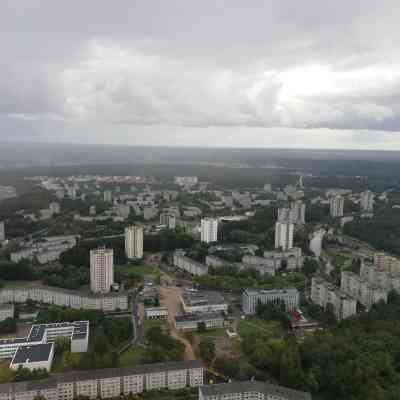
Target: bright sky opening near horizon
309	74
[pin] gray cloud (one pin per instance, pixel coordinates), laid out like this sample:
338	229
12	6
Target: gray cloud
188	68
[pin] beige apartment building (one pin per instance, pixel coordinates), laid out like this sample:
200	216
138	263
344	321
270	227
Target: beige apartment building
65	298
108	383
250	390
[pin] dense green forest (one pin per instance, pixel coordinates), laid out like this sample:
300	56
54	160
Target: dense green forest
357	359
382	231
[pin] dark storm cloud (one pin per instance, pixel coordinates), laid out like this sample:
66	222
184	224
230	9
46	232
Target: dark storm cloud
231	66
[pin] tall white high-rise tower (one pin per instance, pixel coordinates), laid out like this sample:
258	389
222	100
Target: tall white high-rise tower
134	242
209	230
101	270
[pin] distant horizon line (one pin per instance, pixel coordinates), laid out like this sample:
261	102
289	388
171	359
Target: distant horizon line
10	142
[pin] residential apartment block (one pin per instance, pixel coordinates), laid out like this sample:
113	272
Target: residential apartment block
2	232
284	235
324	293
292	259
168	220
336	204
108	383
6	311
134	242
65	298
209	230
250	390
101	270
46	250
265	266
372	285
367	201
188	264
252	297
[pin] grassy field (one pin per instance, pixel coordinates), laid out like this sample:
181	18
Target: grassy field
214	333
150	323
142	270
19	283
132	356
254	324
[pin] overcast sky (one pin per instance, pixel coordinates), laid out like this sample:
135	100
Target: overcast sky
310	73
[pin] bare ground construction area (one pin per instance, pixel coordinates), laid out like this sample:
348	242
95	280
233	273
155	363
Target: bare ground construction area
169	296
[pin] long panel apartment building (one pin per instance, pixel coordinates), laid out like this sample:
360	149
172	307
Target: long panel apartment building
65	298
367	293
324	293
77	332
252	297
250	390
108	383
188	264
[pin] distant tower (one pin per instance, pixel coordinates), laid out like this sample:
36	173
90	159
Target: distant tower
298	210
101	270
336	206
72	192
54	207
267	188
134	242
284	235
2	232
209	230
107	196
367	201
169	220
300	182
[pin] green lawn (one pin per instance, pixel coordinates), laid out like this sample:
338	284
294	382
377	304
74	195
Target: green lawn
150	323
142	270
254	324
132	356
5	283
213	333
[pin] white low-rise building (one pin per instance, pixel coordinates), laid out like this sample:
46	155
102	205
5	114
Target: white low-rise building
203	302
252	297
77	332
191	322
39	356
156	312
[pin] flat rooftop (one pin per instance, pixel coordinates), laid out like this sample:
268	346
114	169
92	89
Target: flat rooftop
79	329
73	376
254	386
255	292
202	298
198	317
29	354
